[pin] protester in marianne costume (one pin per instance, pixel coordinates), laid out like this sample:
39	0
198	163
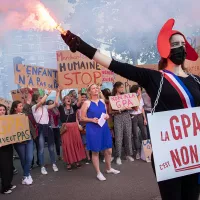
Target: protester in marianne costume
173	49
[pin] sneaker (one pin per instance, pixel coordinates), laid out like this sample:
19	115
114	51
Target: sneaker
118	161
7	192
137	156
55	168
30	179
129	158
26	181
12	187
112	171
101	177
44	171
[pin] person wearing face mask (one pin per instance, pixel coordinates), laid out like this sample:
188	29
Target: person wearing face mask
23	149
6	162
72	146
98	137
45	132
173	49
138	118
122	127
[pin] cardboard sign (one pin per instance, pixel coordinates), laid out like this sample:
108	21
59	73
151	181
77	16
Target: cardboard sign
146	150
124	101
36	77
107	75
175	137
14	129
76	70
193	67
6	103
21	94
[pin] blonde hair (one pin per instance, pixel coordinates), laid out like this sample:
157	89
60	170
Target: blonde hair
89	88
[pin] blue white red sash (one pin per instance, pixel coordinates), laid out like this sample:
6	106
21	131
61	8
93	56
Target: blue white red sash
185	95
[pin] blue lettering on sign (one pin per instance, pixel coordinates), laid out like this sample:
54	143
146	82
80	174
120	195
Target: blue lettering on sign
21	79
55	73
28	70
17	69
38	80
40	70
30	81
34	70
50	72
44	73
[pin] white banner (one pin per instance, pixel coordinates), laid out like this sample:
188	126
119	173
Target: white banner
175	137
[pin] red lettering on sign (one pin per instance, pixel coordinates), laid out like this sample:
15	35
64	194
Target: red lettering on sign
130	104
69	79
184	156
166	138
83	78
177	128
196	123
186	123
97	75
118	104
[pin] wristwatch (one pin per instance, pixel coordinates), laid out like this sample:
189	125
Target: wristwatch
47	94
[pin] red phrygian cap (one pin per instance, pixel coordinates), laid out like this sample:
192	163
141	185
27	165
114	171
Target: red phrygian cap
163	41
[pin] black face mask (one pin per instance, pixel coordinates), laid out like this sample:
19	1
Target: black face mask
178	55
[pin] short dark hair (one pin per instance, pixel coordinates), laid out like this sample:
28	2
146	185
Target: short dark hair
47	103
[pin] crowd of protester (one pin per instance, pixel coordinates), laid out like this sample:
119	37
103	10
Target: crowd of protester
72	126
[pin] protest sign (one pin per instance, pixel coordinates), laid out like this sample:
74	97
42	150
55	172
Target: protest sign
146	150
14	129
193	67
76	70
107	75
22	94
124	101
6	103
35	77
175	137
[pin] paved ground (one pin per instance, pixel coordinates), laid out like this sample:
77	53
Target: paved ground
136	182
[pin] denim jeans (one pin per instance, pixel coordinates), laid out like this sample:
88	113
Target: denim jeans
46	133
25	152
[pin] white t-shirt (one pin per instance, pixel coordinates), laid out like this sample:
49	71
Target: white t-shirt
38	114
139	111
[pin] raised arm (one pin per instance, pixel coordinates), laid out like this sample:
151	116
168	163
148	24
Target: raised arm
137	74
43	100
56	100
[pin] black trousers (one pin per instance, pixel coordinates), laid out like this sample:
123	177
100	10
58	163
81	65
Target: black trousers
148	132
182	188
57	140
36	141
6	166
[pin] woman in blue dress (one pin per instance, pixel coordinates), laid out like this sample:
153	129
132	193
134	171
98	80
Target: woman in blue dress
98	138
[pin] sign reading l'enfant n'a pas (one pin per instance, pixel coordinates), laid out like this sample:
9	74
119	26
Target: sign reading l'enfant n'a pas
36	77
175	137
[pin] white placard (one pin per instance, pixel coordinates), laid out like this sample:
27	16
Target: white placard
175	137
